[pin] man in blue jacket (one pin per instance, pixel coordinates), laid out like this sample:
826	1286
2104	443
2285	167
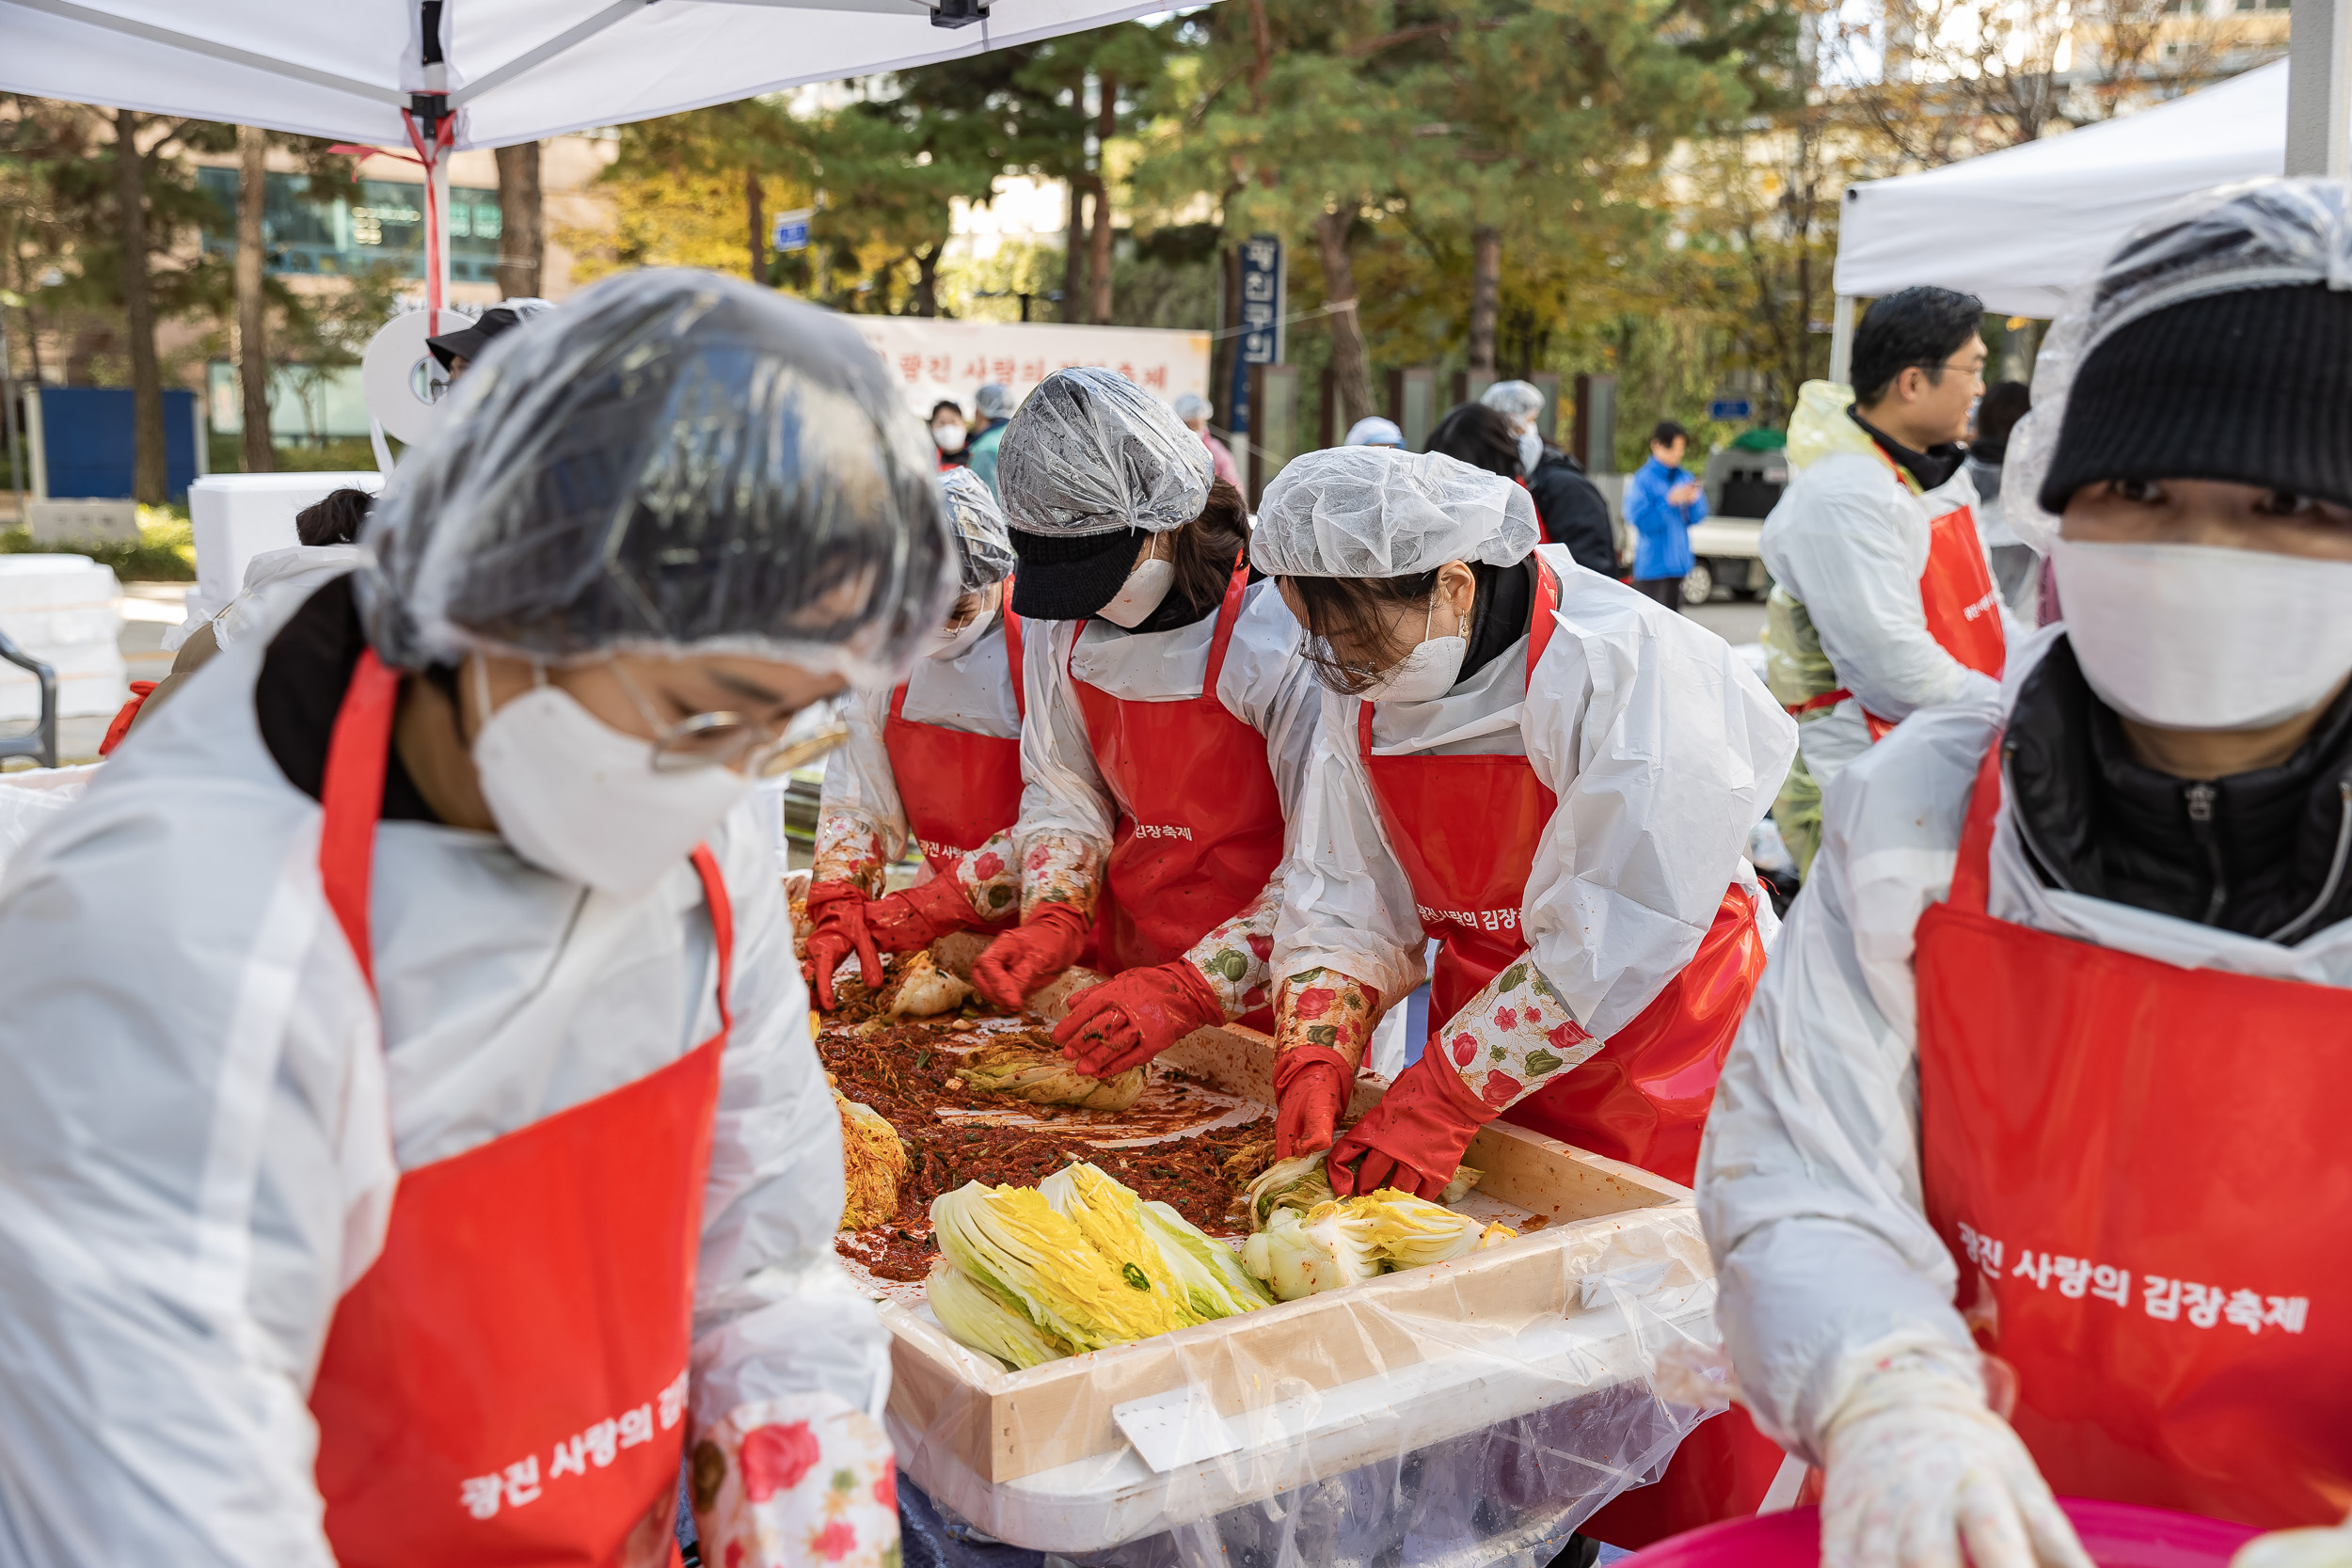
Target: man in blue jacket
1662	502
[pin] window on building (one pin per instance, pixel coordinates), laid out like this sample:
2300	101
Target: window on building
370	223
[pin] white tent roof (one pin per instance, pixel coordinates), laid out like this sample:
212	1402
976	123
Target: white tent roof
514	69
2020	228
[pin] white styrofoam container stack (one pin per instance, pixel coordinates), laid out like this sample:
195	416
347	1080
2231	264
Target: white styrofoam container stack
235	517
62	609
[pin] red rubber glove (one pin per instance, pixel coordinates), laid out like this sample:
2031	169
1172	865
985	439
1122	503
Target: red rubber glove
1309	1092
836	928
1024	959
1414	1138
1127	1021
920	916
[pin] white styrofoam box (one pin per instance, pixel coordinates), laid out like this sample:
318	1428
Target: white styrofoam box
72	522
237	516
61	609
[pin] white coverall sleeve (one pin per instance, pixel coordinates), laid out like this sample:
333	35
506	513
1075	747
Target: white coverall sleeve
1808	1180
775	1312
1346	902
859	782
1858	572
1061	791
1664	750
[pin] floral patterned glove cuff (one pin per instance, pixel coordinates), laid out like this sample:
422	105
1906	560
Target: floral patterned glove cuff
991	879
1324	1007
1512	1036
1060	868
796	1481
850	850
1233	956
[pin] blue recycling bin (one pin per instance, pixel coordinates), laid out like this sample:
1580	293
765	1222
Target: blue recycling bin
86	441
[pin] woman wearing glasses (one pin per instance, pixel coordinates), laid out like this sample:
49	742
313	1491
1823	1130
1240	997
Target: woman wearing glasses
935	759
1882	601
407	1103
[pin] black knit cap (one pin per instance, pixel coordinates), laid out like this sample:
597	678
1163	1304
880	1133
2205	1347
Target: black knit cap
2252	386
1062	578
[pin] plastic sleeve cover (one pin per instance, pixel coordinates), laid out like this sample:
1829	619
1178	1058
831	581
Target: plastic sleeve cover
1062	793
1326	1007
801	1479
673	460
1232	957
1379	511
774	1315
1851	548
1512	1038
1346	903
1664	751
1808	1180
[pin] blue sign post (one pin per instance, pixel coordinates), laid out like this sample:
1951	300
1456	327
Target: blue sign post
1731	410
1261	297
792	229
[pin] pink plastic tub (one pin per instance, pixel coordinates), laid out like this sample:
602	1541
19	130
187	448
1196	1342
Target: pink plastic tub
2117	1535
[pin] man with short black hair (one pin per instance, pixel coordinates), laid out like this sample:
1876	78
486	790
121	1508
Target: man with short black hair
1882	602
1662	499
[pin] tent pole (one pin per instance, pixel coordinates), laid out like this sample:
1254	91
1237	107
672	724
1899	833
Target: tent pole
1842	316
2319	89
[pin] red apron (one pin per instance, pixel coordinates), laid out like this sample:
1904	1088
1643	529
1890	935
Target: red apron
958	789
1466	830
2181	1134
1957	594
1199	822
506	1385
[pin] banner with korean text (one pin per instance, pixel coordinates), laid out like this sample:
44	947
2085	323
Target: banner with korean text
933	360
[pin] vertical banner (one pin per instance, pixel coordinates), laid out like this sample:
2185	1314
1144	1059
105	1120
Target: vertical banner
1261	297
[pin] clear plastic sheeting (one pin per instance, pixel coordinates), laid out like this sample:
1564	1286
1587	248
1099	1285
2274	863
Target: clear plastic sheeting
1378	512
1092	453
985	547
2261	234
674	459
1472	1413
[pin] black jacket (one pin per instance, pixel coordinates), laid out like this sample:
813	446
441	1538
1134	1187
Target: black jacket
1573	513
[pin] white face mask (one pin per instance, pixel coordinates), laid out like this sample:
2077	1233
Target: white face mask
1141	593
947	644
947	437
2196	637
1531	451
1427	672
576	796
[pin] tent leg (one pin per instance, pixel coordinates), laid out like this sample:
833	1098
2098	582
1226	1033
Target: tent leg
1841	318
2319	89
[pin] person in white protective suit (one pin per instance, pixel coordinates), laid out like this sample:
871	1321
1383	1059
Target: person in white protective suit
412	1136
1553	777
1170	723
935	759
1882	600
2049	1061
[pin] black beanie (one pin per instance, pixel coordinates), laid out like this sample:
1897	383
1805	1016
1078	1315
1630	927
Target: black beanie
2252	386
1066	578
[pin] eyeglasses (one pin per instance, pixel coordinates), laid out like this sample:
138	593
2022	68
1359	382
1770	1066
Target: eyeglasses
1974	371
722	739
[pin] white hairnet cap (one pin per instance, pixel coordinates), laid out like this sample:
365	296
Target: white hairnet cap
1376	512
2255	234
1374	431
1092	453
1518	399
980	536
1192	405
674	460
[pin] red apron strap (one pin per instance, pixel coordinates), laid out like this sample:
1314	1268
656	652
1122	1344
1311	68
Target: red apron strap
1971	873
1541	623
898	701
722	929
1226	613
1902	475
358	751
1012	655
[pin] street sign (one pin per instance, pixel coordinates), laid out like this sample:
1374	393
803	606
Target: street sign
1261	321
792	229
1731	410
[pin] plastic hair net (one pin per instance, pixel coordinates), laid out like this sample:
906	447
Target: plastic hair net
1376	512
2261	234
673	460
1092	453
1517	400
992	401
980	536
1192	405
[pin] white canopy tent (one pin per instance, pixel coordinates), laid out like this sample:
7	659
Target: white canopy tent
437	74
2022	228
